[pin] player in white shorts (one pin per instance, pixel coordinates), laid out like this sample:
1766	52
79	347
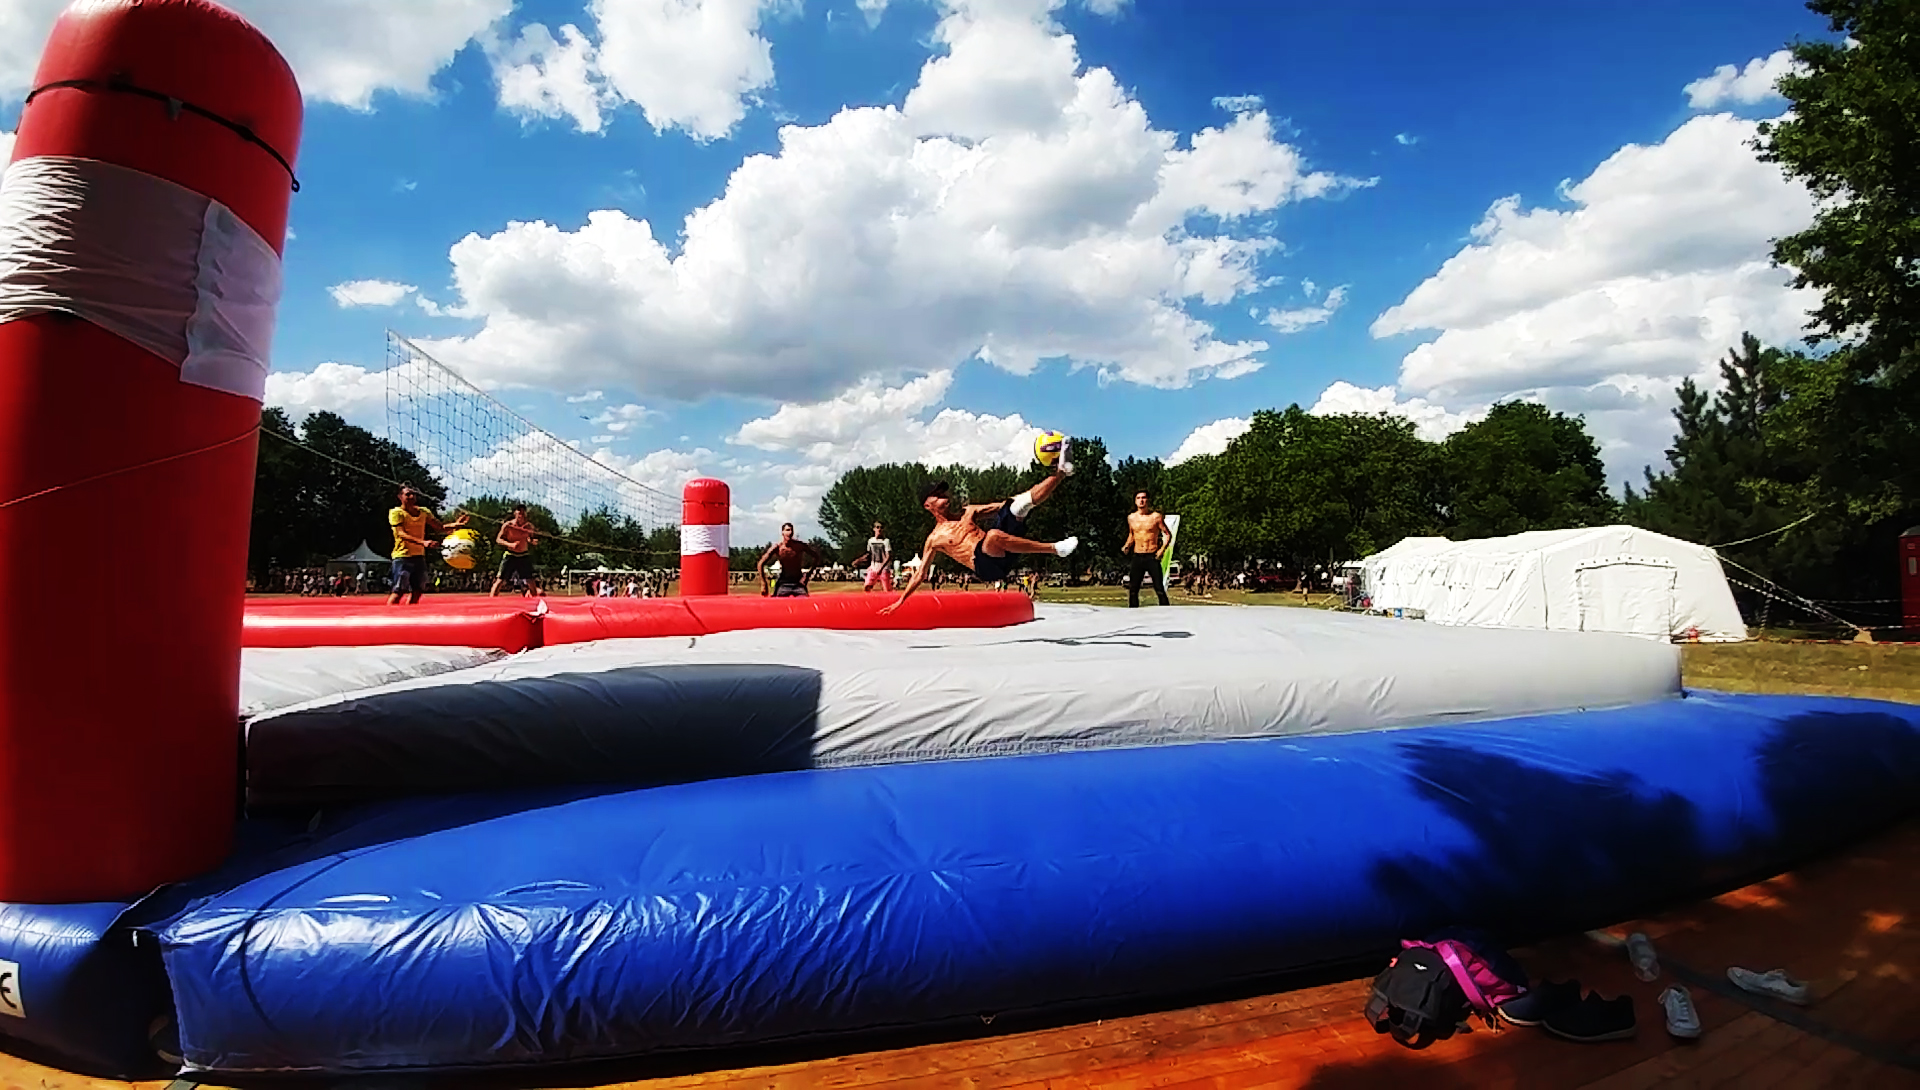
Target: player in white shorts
879	560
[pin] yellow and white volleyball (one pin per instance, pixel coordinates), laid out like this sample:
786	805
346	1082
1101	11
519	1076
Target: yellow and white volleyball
1047	447
458	547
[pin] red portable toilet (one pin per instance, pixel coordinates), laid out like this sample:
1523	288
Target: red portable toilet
1910	581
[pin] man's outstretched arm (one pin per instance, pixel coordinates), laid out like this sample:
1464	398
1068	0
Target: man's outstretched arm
913	584
761	568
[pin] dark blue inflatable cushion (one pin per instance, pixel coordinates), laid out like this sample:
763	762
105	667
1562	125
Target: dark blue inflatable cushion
459	932
75	991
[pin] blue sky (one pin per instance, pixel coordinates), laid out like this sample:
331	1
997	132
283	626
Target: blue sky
1156	217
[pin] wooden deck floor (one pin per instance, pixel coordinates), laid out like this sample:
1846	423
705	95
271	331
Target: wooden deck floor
1847	924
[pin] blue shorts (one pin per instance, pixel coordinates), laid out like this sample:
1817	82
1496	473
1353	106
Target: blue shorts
789	590
409	574
996	569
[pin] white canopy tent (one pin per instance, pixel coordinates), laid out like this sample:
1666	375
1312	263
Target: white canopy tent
1600	579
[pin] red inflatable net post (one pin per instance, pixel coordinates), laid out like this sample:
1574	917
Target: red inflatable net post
705	513
159	137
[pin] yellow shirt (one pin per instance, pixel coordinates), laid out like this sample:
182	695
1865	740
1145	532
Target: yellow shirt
414	524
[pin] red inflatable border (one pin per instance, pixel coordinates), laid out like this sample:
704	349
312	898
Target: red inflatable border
512	624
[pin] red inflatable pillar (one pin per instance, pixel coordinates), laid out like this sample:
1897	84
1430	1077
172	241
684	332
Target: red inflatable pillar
141	222
704	518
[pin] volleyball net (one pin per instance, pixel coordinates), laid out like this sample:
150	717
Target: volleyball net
486	455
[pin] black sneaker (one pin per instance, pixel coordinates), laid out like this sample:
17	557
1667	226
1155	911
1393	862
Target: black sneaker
1593	1019
1532	1008
164	1038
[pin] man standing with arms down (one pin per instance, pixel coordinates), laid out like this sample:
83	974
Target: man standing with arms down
797	561
879	560
1147	541
516	536
410	523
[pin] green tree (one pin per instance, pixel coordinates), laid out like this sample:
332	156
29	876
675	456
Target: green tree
1305	489
1853	136
1187	491
1744	473
1715	487
868	494
1523	467
745	557
1131	475
319	496
604	531
1086	506
1851	414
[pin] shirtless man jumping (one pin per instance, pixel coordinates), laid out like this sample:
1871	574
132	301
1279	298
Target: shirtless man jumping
987	550
1147	541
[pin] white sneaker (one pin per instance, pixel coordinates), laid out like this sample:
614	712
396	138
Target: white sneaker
1065	546
1774	982
1682	1020
1646	964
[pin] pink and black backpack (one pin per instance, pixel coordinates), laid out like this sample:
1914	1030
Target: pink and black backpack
1436	985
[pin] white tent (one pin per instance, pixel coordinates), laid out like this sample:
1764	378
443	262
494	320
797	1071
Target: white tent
1601	579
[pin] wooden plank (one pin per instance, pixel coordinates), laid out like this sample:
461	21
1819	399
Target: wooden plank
1713	1048
1759	1052
926	1061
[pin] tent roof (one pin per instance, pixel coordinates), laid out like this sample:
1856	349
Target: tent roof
1580	578
362	555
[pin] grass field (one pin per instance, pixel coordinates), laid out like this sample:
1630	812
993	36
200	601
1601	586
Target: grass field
1880	671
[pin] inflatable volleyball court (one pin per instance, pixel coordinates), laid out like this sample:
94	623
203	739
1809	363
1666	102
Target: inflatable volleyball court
335	837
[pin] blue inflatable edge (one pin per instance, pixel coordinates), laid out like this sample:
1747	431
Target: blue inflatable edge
559	926
77	991
955	889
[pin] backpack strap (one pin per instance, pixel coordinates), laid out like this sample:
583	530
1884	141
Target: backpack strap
1475	998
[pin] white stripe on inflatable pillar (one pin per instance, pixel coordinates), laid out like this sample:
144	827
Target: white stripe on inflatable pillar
695	540
172	271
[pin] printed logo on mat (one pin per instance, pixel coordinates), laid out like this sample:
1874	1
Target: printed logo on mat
10	999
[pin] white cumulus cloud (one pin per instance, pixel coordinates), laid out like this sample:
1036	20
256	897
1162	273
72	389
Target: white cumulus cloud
348	389
1238	104
1757	82
1654	268
1209	439
1430	421
1018	208
1295	319
619	419
873	424
370	293
541	75
694	65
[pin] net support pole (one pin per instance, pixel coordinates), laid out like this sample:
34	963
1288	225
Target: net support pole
704	515
140	228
